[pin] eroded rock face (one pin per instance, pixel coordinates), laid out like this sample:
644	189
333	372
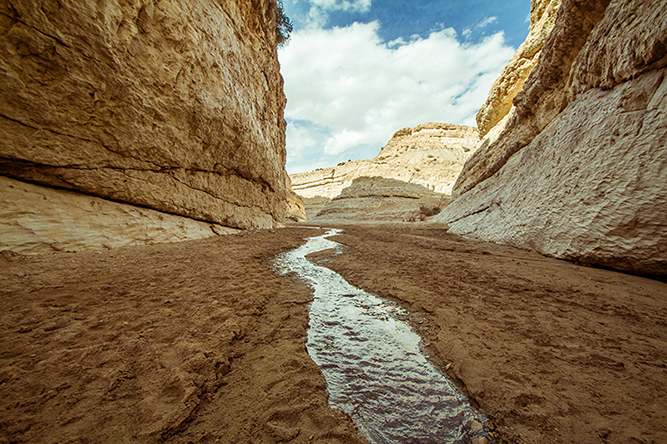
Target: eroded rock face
431	155
36	219
175	106
314	205
379	199
296	208
507	86
580	170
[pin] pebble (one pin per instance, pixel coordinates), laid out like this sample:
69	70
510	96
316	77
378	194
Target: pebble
475	426
482	440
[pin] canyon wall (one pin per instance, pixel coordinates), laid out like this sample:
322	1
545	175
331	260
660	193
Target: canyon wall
36	219
499	102
579	170
174	106
431	155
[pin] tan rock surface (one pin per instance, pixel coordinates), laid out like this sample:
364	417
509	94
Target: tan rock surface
430	155
377	199
296	208
314	205
172	105
36	219
507	86
580	171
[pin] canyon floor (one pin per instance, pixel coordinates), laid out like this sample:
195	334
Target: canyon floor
201	342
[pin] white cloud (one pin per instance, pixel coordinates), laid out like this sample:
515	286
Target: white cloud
486	22
318	15
356	90
345	5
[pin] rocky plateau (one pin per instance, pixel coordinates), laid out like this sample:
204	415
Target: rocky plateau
379	199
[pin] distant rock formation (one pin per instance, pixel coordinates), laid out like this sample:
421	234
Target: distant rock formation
174	106
314	205
580	169
379	199
430	155
296	209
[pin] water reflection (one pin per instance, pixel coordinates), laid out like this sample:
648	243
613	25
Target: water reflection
372	361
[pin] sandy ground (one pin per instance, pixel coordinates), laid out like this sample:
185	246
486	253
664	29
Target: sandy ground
190	342
201	342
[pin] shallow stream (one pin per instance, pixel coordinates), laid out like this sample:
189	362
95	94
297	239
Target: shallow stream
373	363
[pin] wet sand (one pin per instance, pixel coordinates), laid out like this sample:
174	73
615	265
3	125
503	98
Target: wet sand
201	342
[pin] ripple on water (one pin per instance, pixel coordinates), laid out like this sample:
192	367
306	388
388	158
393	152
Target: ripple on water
372	361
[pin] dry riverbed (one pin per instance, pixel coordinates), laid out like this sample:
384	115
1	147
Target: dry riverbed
201	342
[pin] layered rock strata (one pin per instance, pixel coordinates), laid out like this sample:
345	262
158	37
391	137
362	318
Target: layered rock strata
314	205
431	155
176	106
296	208
379	199
35	219
580	170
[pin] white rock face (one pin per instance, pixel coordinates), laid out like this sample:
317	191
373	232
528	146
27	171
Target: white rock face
580	170
431	155
36	219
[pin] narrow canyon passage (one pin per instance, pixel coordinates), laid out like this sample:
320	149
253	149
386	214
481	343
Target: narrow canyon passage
373	363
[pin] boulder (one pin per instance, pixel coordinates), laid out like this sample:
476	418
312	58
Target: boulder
176	105
580	170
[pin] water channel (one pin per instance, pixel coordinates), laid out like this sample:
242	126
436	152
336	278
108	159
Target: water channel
373	363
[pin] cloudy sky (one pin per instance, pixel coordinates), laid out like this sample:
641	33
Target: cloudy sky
356	71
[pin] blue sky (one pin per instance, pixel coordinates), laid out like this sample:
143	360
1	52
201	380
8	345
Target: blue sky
356	71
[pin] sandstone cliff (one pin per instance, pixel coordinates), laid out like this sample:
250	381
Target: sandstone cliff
507	86
296	208
175	106
379	199
430	155
314	205
580	169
